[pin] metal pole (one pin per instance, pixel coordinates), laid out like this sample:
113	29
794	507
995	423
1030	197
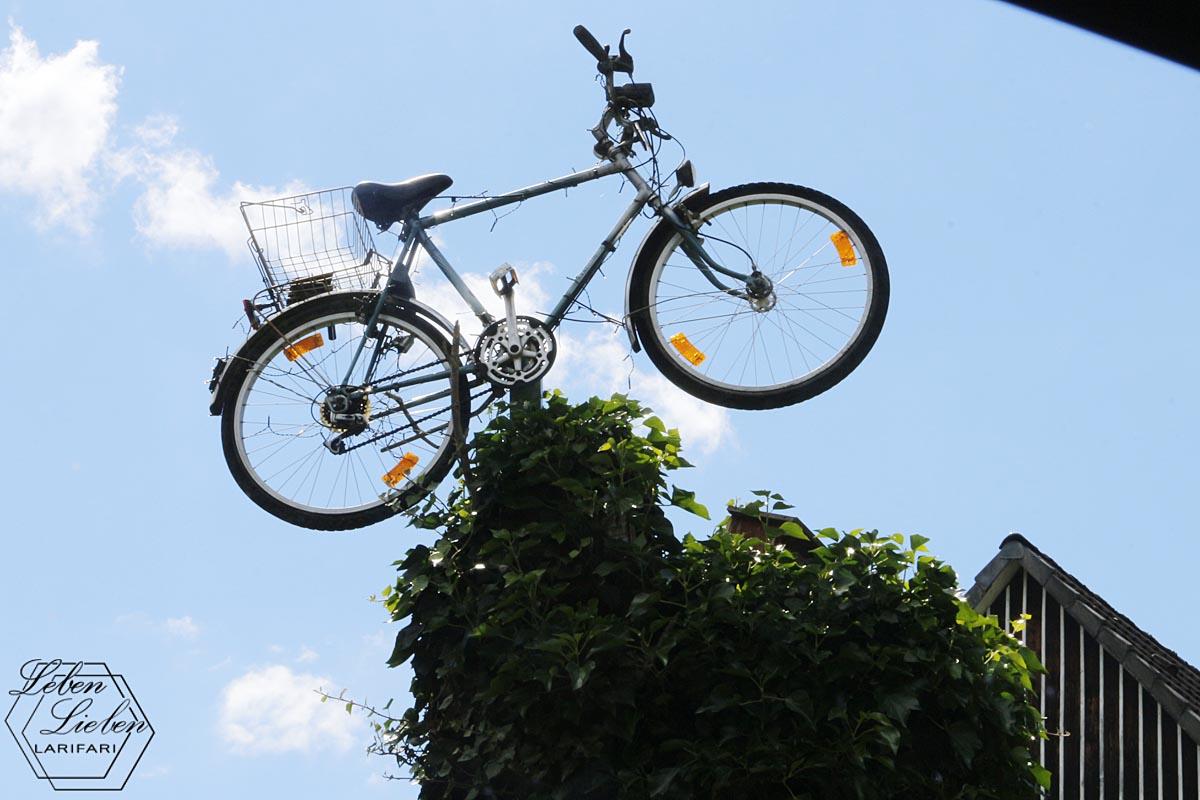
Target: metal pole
526	393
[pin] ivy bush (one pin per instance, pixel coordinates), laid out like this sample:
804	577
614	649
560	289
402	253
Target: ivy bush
566	644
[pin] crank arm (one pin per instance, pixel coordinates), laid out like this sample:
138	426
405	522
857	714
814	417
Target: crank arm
504	279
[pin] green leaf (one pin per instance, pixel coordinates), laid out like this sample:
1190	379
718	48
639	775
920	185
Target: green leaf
890	736
899	705
965	741
794	530
404	642
639	599
1032	661
722	591
686	500
579	673
1041	775
660	780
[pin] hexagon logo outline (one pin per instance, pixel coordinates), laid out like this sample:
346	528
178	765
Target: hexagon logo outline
72	689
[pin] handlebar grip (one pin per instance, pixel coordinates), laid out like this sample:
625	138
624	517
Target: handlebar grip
589	43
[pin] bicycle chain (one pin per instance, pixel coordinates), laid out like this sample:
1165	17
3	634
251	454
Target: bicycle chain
413	424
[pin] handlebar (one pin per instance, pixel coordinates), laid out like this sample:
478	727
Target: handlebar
605	63
621	99
590	44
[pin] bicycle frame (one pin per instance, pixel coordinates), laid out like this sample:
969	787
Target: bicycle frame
420	228
415	232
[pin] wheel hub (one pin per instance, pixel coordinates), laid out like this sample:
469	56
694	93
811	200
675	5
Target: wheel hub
345	409
760	291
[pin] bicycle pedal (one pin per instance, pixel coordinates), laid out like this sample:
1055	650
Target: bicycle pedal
503	279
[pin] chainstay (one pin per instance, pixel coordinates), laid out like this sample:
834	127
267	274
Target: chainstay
381	436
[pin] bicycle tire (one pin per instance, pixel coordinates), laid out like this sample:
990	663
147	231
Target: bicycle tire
295	390
730	238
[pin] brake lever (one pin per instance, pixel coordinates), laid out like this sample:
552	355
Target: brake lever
623	62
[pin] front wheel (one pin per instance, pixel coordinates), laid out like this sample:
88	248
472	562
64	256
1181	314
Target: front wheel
814	306
330	453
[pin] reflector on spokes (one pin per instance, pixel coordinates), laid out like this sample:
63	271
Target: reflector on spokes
688	350
845	248
397	473
305	345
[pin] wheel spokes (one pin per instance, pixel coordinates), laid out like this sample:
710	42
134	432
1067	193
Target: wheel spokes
766	340
286	428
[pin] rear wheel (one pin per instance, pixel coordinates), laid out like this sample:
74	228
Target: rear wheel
329	453
802	324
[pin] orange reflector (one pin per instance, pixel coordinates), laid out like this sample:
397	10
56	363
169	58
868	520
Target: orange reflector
397	473
845	248
687	349
307	344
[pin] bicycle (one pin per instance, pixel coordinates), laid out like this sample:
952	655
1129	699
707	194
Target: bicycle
340	408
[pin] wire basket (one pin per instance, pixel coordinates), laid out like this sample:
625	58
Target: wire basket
312	243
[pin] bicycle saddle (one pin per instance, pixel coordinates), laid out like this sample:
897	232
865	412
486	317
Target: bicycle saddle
388	203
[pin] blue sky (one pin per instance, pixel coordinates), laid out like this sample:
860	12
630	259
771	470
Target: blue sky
1033	187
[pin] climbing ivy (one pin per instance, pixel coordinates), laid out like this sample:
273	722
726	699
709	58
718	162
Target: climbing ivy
565	643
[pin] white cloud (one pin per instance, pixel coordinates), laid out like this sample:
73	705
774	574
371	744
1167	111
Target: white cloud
599	363
182	205
178	627
183	627
307	654
435	291
157	130
56	120
275	710
55	116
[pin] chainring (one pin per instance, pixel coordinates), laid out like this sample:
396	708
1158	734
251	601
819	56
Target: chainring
536	349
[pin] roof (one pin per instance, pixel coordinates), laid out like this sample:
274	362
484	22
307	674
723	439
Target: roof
766	525
1173	682
1167	29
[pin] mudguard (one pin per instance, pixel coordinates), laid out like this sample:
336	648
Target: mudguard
217	385
662	226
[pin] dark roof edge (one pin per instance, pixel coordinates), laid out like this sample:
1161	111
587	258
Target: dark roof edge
1016	552
1166	30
